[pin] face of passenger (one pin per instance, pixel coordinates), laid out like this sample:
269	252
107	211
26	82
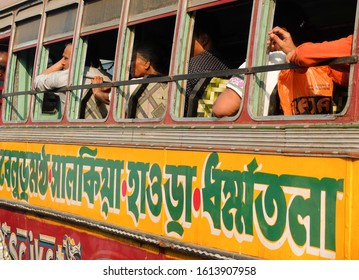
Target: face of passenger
140	66
66	56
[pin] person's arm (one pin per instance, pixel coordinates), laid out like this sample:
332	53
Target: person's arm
101	94
58	66
227	104
51	81
229	101
281	40
310	54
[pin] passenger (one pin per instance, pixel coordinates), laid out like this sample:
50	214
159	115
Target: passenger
149	59
56	76
310	54
229	101
95	101
204	56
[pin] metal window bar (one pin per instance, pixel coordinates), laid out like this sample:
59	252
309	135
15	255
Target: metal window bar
162	79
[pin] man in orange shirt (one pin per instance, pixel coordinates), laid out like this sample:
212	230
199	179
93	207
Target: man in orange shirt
310	54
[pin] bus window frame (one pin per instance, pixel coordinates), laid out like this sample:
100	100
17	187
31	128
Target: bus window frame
37	116
79	67
44	43
58	4
73	105
120	102
23	16
60	36
261	38
11	94
177	110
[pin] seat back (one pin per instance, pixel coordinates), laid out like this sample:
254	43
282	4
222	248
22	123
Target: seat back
215	87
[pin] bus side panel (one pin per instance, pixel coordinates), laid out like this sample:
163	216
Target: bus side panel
266	206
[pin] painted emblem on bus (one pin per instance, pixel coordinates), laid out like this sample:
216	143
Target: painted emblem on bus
23	244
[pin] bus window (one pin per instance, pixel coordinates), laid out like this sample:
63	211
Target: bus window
100	57
96	53
152	44
17	107
314	91
215	46
58	32
49	105
60	22
22	63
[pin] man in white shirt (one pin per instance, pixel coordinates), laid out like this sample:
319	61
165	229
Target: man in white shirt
56	76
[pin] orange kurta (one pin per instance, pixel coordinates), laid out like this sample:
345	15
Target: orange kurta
310	54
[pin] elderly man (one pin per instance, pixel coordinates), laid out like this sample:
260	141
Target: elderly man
56	76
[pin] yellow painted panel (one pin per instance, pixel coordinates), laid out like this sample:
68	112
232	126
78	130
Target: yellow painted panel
272	207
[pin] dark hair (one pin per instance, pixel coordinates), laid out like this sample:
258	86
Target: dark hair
156	52
207	23
291	16
4	48
92	58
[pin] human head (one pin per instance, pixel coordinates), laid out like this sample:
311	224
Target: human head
206	33
149	58
66	57
291	16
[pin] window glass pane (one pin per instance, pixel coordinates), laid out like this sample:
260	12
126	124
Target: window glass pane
192	3
60	23
140	8
5	24
55	4
109	16
26	32
17	107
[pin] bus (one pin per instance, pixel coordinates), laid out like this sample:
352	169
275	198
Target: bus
175	182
